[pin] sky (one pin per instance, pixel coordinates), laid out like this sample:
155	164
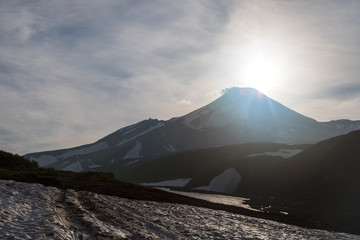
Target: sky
74	71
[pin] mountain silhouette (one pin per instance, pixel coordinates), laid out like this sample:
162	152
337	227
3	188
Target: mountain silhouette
241	115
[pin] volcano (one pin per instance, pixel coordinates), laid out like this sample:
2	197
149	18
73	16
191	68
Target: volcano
241	115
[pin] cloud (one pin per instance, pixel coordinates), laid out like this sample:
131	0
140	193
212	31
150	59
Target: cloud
73	71
345	92
184	102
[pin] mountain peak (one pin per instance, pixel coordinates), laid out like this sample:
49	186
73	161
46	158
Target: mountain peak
244	106
241	90
246	97
237	94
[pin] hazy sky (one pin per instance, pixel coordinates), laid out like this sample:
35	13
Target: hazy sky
72	72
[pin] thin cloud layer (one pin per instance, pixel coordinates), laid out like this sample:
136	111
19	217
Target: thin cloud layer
73	71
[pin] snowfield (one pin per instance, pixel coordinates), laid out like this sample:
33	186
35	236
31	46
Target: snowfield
45	160
158	125
225	182
32	211
284	153
135	151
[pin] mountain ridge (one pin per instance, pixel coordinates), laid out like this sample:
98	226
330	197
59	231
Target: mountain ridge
241	115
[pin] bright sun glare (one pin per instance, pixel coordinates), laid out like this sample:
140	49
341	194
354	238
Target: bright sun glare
262	65
262	72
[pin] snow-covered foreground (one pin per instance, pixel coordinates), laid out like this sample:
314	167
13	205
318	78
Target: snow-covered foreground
32	211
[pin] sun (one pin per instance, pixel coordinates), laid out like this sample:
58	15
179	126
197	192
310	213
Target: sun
262	71
263	63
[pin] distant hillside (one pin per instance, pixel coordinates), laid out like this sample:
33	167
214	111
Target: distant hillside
233	166
330	166
323	182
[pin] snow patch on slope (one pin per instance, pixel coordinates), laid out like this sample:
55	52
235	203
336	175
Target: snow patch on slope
169	148
75	167
225	182
132	162
130	130
45	160
135	151
197	118
86	150
285	153
181	182
159	125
